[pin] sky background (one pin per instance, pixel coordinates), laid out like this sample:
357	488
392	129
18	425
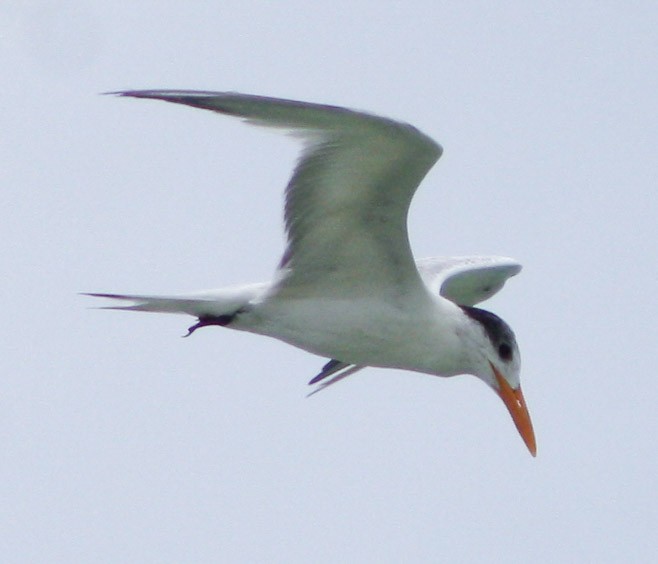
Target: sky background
122	442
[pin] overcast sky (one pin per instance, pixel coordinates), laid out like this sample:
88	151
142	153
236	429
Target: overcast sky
122	442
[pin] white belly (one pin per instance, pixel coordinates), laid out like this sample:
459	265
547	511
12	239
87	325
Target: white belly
365	332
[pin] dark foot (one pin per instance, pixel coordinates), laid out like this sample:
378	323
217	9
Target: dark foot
221	320
328	369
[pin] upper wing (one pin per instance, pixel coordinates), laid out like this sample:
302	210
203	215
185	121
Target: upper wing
347	201
467	280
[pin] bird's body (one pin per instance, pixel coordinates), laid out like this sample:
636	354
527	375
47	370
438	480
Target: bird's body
364	331
348	287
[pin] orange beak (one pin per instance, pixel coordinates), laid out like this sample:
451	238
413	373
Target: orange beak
515	404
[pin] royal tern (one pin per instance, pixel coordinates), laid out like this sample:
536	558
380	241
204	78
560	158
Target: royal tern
348	287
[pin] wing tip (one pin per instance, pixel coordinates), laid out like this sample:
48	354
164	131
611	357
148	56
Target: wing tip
136	93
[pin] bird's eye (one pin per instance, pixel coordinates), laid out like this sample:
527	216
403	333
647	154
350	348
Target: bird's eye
505	351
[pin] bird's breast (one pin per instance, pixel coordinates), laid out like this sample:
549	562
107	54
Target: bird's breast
363	331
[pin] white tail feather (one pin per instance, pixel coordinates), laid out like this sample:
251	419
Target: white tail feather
225	301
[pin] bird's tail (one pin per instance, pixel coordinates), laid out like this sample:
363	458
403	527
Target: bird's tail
208	304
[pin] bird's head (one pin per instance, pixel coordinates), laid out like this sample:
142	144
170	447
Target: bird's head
498	365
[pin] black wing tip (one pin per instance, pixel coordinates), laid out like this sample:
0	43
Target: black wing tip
127	93
164	93
137	93
202	99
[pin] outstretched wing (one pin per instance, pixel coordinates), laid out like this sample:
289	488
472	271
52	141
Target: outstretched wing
347	201
467	280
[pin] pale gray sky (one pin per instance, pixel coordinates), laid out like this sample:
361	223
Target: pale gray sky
122	442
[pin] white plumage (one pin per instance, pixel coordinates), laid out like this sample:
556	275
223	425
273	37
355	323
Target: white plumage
348	287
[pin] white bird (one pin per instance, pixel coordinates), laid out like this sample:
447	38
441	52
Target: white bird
348	287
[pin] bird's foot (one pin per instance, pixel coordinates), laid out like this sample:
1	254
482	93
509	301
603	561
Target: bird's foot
221	320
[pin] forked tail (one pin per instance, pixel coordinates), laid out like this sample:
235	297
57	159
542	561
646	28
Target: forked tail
213	307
